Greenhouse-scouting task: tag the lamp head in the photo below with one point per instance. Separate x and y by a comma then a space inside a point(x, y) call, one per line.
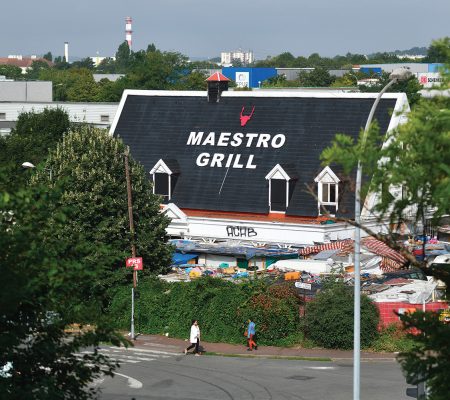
point(400, 74)
point(27, 164)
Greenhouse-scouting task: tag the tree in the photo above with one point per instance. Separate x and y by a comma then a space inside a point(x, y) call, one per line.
point(123, 58)
point(437, 52)
point(329, 318)
point(89, 163)
point(11, 72)
point(106, 66)
point(319, 77)
point(414, 158)
point(32, 138)
point(36, 68)
point(85, 63)
point(411, 87)
point(192, 81)
point(48, 56)
point(82, 85)
point(44, 280)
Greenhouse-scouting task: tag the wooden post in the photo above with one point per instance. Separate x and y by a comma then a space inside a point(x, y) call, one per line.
point(130, 209)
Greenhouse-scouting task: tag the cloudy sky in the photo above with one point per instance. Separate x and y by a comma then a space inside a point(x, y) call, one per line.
point(200, 28)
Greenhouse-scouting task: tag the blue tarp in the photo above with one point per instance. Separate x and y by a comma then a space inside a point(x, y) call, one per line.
point(180, 258)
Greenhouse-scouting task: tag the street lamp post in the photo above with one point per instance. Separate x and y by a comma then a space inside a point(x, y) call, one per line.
point(27, 164)
point(399, 74)
point(133, 247)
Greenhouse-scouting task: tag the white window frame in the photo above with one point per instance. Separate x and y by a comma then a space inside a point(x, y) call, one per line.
point(279, 173)
point(162, 168)
point(327, 177)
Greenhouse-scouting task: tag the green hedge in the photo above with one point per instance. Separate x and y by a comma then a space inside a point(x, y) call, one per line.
point(329, 318)
point(221, 307)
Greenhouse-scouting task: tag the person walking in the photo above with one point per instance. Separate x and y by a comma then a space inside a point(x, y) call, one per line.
point(251, 331)
point(194, 338)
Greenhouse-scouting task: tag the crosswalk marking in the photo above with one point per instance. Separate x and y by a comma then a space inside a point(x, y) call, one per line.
point(130, 355)
point(143, 351)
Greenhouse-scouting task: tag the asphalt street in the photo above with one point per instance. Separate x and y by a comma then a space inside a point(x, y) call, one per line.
point(162, 372)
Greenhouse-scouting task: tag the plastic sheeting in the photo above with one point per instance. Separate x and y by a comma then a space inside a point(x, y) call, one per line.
point(180, 258)
point(417, 292)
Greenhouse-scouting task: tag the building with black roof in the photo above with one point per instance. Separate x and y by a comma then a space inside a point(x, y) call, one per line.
point(244, 165)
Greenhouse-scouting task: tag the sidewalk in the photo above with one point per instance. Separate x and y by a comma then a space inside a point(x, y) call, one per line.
point(227, 349)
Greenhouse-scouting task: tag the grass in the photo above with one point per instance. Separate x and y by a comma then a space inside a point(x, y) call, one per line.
point(392, 339)
point(212, 353)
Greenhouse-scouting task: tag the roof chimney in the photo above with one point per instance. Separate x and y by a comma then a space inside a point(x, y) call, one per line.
point(217, 83)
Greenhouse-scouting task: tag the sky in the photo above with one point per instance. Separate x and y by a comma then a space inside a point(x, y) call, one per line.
point(200, 28)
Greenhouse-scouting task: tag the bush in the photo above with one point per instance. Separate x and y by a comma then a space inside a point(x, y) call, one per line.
point(393, 338)
point(221, 307)
point(329, 318)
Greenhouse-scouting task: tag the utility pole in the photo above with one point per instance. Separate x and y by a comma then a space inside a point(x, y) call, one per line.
point(133, 247)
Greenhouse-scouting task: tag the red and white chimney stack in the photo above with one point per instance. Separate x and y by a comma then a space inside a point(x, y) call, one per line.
point(128, 31)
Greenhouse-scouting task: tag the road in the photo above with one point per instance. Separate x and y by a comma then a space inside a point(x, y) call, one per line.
point(161, 372)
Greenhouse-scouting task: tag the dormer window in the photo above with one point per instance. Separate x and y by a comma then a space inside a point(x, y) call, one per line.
point(281, 184)
point(165, 174)
point(327, 191)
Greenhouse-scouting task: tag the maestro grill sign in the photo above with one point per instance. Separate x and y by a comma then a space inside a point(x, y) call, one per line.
point(234, 141)
point(135, 263)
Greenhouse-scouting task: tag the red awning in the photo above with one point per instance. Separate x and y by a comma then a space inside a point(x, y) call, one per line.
point(391, 260)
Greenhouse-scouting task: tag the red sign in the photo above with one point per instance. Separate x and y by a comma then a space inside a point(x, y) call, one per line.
point(136, 263)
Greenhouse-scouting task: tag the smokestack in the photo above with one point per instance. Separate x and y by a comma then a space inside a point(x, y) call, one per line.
point(128, 31)
point(66, 51)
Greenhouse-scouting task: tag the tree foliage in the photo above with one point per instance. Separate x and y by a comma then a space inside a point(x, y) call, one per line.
point(11, 72)
point(32, 138)
point(411, 170)
point(329, 318)
point(429, 360)
point(319, 77)
point(411, 87)
point(89, 165)
point(45, 277)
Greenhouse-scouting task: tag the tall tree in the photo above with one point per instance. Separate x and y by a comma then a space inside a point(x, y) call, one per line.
point(89, 163)
point(123, 58)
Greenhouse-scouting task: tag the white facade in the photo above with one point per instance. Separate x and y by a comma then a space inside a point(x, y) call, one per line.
point(245, 57)
point(255, 232)
point(97, 114)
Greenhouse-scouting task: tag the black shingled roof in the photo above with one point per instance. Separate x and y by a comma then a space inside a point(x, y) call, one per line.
point(158, 127)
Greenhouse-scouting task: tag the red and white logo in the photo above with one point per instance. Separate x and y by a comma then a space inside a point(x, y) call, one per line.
point(246, 118)
point(423, 80)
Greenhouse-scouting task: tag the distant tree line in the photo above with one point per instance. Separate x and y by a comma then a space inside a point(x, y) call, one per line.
point(161, 70)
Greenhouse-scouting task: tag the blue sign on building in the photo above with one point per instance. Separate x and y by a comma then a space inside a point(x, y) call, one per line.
point(249, 77)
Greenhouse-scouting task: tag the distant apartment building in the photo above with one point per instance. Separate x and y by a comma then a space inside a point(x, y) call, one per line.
point(24, 63)
point(245, 57)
